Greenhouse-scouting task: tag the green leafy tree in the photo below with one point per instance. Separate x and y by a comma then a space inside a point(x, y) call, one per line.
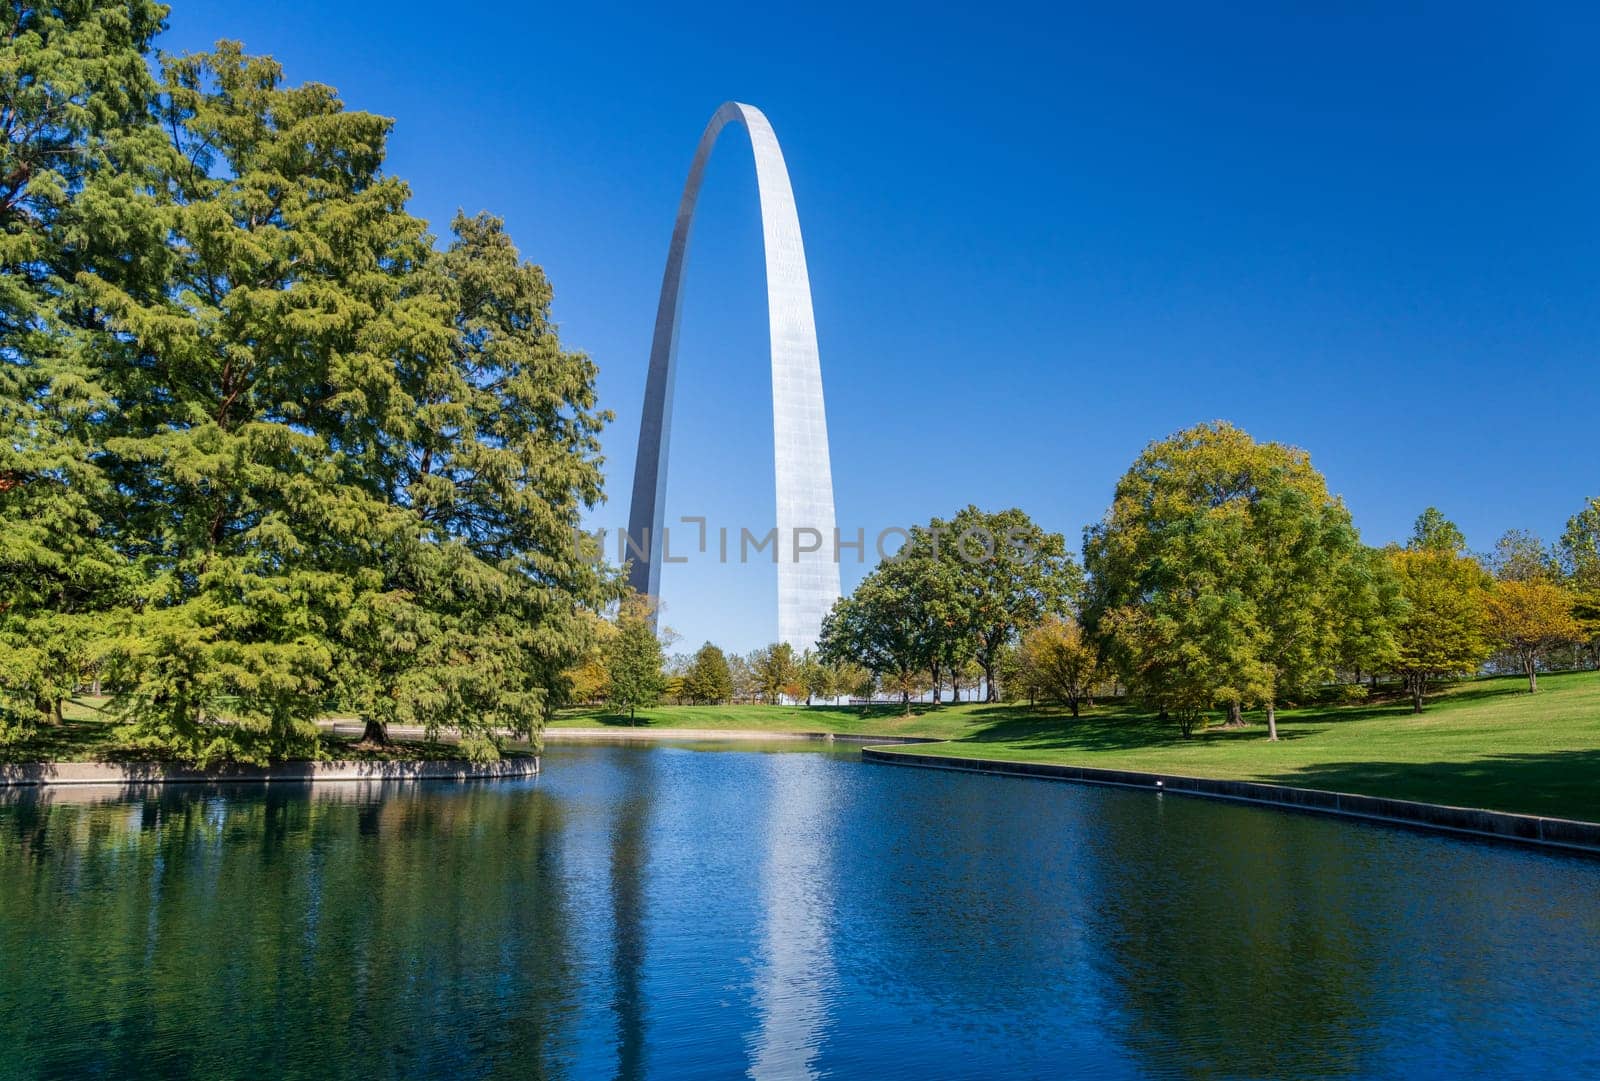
point(1433, 532)
point(1580, 563)
point(708, 679)
point(813, 676)
point(1059, 662)
point(492, 466)
point(1016, 675)
point(851, 679)
point(1009, 574)
point(1221, 573)
point(883, 626)
point(1529, 617)
point(587, 681)
point(252, 372)
point(943, 587)
point(1443, 632)
point(349, 464)
point(775, 670)
point(1369, 603)
point(634, 661)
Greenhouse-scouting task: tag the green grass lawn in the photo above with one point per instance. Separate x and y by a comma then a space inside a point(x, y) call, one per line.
point(1486, 743)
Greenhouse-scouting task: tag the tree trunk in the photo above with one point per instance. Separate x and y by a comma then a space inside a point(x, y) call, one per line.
point(989, 694)
point(1417, 686)
point(1072, 704)
point(375, 733)
point(935, 674)
point(1272, 721)
point(55, 711)
point(1528, 662)
point(1235, 715)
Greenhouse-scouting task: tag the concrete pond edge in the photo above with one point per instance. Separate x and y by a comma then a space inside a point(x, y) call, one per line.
point(1558, 833)
point(139, 775)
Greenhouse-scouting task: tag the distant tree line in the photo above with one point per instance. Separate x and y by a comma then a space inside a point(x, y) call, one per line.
point(1224, 578)
point(267, 449)
point(628, 669)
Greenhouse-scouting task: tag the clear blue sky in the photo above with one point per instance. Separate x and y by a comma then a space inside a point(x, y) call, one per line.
point(1037, 239)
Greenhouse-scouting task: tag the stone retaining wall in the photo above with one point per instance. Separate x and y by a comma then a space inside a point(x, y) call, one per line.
point(1522, 829)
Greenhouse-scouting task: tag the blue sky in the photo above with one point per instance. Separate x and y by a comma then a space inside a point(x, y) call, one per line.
point(1038, 239)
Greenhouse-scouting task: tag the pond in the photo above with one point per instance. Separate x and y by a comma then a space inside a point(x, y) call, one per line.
point(675, 912)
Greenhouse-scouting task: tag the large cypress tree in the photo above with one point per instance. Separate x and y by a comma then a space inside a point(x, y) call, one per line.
point(75, 95)
point(246, 376)
point(347, 464)
point(480, 609)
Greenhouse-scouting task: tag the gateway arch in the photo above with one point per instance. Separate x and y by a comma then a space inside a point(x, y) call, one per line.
point(808, 568)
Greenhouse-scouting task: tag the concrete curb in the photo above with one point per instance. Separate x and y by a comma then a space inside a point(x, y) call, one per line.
point(135, 775)
point(1561, 833)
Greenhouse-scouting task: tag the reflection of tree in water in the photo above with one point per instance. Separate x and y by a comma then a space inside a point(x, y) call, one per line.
point(629, 856)
point(1237, 942)
point(276, 933)
point(1205, 940)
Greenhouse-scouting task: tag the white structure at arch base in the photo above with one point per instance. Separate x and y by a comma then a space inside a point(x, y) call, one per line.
point(808, 567)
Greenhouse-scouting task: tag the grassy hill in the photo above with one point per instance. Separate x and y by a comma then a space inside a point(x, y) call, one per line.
point(1486, 743)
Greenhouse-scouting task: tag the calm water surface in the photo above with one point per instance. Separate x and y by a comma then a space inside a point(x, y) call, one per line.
point(672, 912)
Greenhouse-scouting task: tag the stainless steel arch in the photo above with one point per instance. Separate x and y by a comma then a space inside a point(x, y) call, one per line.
point(808, 581)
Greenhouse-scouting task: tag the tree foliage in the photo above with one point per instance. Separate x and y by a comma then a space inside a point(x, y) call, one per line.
point(708, 679)
point(958, 592)
point(1009, 574)
point(886, 627)
point(76, 94)
point(1528, 617)
point(1443, 632)
point(280, 452)
point(1433, 532)
point(1058, 662)
point(1580, 562)
point(634, 660)
point(776, 672)
point(1223, 572)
